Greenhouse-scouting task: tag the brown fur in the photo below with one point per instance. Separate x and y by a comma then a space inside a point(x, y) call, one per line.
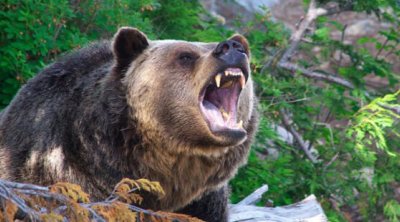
point(100, 115)
point(180, 166)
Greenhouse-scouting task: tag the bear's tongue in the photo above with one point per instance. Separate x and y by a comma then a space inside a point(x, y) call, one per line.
point(219, 104)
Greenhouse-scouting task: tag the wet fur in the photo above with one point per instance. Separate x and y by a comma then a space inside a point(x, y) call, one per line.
point(86, 120)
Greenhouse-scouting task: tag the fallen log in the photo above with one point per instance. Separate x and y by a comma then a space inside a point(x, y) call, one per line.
point(307, 210)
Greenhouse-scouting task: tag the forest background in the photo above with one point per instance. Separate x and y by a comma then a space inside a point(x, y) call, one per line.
point(324, 130)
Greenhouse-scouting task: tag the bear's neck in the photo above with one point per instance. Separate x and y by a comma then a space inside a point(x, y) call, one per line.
point(182, 177)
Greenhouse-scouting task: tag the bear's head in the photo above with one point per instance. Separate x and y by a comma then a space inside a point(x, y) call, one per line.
point(196, 97)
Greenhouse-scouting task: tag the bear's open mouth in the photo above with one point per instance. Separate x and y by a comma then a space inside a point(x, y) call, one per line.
point(219, 100)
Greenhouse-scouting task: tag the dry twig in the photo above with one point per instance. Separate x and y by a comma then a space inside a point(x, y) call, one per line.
point(64, 202)
point(297, 36)
point(287, 122)
point(254, 197)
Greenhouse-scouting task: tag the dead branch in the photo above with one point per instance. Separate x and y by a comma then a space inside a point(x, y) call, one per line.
point(254, 197)
point(395, 109)
point(305, 23)
point(331, 161)
point(23, 210)
point(65, 201)
point(316, 75)
point(287, 122)
point(297, 36)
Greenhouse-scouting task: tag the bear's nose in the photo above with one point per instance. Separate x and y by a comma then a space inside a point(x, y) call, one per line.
point(231, 52)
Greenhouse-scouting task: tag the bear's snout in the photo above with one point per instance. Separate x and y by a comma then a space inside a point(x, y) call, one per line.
point(231, 53)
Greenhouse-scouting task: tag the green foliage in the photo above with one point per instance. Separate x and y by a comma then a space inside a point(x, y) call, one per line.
point(392, 210)
point(35, 32)
point(354, 133)
point(181, 20)
point(356, 138)
point(370, 124)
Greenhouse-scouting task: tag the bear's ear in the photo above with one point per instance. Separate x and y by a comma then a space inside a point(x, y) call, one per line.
point(242, 40)
point(128, 43)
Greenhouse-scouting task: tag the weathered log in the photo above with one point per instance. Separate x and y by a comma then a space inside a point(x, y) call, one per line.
point(307, 210)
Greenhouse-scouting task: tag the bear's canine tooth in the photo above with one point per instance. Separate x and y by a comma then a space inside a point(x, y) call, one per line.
point(240, 124)
point(218, 79)
point(226, 73)
point(242, 81)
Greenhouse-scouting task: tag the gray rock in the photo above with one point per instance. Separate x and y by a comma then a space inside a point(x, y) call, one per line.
point(362, 28)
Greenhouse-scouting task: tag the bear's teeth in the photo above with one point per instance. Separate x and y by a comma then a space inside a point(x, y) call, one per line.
point(232, 73)
point(218, 79)
point(242, 81)
point(240, 124)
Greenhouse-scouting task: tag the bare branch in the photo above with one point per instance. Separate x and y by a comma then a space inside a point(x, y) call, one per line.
point(392, 50)
point(16, 185)
point(331, 161)
point(20, 194)
point(287, 122)
point(297, 36)
point(254, 197)
point(382, 48)
point(395, 109)
point(316, 75)
point(342, 40)
point(24, 212)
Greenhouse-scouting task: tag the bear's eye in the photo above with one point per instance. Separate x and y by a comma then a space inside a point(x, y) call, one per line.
point(187, 58)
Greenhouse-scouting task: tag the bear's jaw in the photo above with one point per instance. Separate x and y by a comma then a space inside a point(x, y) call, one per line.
point(219, 103)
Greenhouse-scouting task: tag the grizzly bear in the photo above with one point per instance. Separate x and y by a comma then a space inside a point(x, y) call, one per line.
point(181, 113)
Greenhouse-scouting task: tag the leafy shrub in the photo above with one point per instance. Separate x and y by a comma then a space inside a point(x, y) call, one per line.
point(35, 32)
point(356, 138)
